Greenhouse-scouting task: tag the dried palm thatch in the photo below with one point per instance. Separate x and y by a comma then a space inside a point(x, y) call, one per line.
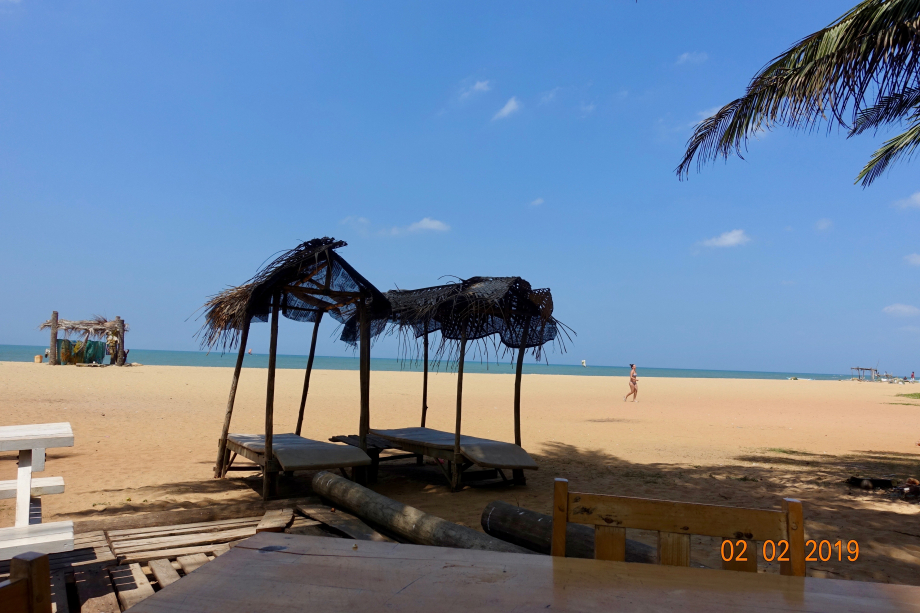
point(503, 310)
point(98, 327)
point(300, 278)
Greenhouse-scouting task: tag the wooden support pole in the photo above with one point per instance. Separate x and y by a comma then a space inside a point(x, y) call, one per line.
point(34, 570)
point(364, 421)
point(306, 377)
point(458, 459)
point(518, 474)
point(269, 474)
point(120, 324)
point(222, 445)
point(53, 356)
point(425, 379)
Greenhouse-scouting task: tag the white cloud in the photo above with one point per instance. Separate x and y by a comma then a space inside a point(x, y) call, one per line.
point(901, 310)
point(547, 97)
point(537, 202)
point(823, 224)
point(708, 112)
point(911, 202)
point(475, 88)
point(428, 224)
point(587, 108)
point(913, 259)
point(511, 107)
point(733, 238)
point(692, 57)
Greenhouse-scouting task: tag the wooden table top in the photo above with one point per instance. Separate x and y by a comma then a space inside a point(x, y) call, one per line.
point(281, 572)
point(36, 436)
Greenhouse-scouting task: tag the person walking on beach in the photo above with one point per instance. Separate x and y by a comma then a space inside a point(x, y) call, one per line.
point(633, 384)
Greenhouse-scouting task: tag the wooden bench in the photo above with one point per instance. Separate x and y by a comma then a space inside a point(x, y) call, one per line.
point(675, 522)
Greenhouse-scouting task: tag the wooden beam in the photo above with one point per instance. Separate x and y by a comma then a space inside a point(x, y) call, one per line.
point(425, 379)
point(320, 291)
point(795, 528)
point(268, 476)
point(306, 377)
point(53, 356)
point(120, 326)
point(23, 487)
point(320, 304)
point(458, 457)
point(222, 444)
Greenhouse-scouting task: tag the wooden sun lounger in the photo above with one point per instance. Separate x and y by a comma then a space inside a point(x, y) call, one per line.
point(437, 444)
point(294, 452)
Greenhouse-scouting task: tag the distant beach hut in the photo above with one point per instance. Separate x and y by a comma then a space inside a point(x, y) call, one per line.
point(302, 284)
point(496, 311)
point(88, 350)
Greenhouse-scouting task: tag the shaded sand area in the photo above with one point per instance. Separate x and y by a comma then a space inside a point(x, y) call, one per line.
point(146, 440)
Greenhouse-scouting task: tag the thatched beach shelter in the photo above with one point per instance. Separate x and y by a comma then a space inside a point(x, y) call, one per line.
point(302, 284)
point(503, 311)
point(98, 328)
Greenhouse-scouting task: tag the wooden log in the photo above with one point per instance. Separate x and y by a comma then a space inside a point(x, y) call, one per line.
point(53, 355)
point(269, 477)
point(120, 326)
point(407, 522)
point(222, 445)
point(458, 457)
point(306, 377)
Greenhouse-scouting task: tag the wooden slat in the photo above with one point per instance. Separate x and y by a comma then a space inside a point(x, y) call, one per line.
point(609, 543)
point(276, 521)
point(673, 549)
point(23, 487)
point(749, 564)
point(38, 460)
point(121, 535)
point(131, 585)
point(560, 516)
point(677, 517)
point(95, 592)
point(146, 556)
point(43, 486)
point(192, 562)
point(35, 436)
point(164, 572)
point(792, 510)
point(41, 538)
point(344, 522)
point(184, 540)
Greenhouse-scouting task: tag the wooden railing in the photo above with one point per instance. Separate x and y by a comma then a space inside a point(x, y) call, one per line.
point(28, 589)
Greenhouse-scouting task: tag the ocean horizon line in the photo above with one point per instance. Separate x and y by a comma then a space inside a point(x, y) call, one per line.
point(165, 357)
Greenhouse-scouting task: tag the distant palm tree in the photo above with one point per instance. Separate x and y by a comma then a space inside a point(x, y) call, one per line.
point(861, 72)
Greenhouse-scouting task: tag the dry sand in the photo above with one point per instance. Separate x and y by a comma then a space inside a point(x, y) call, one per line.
point(146, 440)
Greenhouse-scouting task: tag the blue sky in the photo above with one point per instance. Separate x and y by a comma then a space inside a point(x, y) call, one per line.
point(152, 154)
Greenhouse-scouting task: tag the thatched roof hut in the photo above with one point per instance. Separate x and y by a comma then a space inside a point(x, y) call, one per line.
point(96, 328)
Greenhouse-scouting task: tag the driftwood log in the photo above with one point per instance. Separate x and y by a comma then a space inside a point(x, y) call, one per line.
point(407, 522)
point(533, 531)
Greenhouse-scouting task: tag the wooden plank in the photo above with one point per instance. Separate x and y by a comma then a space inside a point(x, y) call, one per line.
point(183, 540)
point(95, 592)
point(795, 567)
point(560, 516)
point(35, 436)
point(41, 538)
point(33, 568)
point(38, 460)
point(673, 549)
point(609, 543)
point(23, 487)
point(192, 562)
point(59, 602)
point(344, 522)
point(677, 517)
point(43, 486)
point(276, 521)
point(163, 571)
point(146, 556)
point(747, 550)
point(205, 526)
point(131, 585)
point(185, 516)
point(415, 579)
point(14, 595)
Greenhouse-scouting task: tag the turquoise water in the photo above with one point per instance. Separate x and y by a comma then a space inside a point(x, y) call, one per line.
point(25, 353)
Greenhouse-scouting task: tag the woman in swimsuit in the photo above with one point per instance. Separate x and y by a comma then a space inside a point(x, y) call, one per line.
point(633, 384)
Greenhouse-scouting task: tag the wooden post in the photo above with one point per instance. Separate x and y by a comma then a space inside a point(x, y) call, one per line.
point(364, 421)
point(269, 474)
point(33, 569)
point(518, 473)
point(120, 323)
point(222, 445)
point(53, 356)
point(458, 459)
point(425, 380)
point(795, 525)
point(560, 516)
point(306, 377)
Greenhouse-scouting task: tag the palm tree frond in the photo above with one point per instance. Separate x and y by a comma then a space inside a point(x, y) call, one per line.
point(902, 145)
point(888, 109)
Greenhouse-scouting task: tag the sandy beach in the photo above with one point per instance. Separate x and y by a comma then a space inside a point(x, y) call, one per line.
point(146, 440)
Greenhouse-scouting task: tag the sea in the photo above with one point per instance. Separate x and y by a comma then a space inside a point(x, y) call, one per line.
point(26, 353)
